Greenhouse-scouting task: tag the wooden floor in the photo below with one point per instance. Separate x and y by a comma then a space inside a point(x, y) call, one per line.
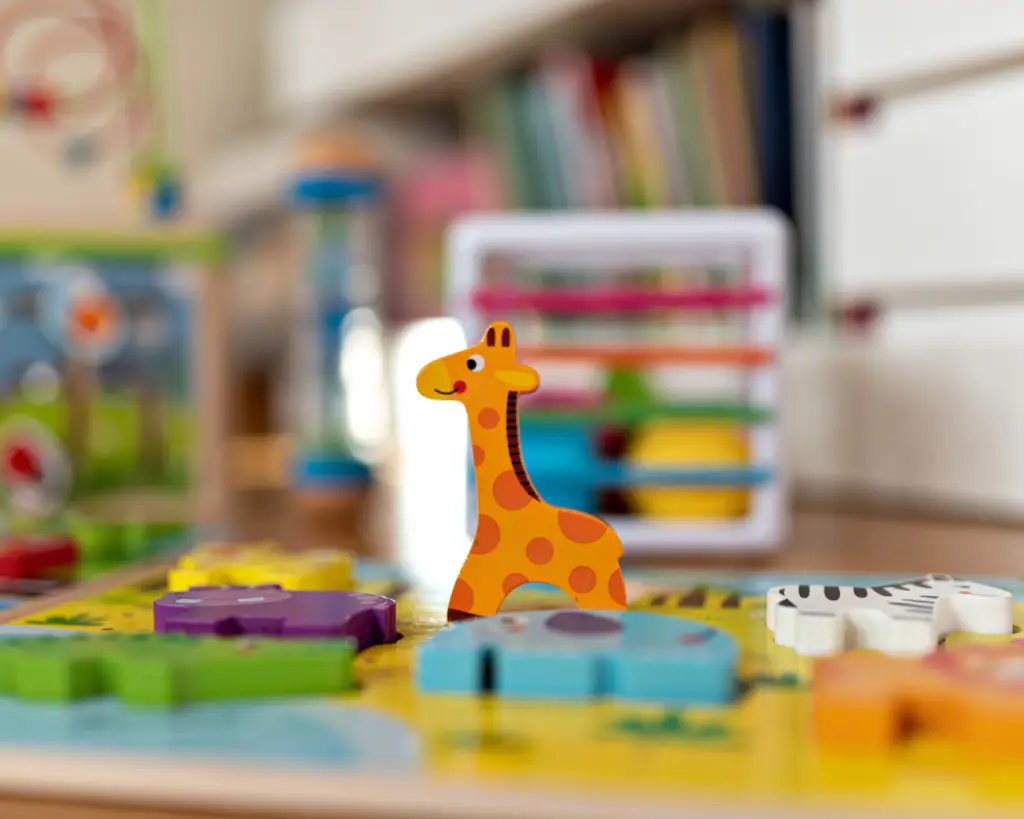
point(821, 540)
point(836, 540)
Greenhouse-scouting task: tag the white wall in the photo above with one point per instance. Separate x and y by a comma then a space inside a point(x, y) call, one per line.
point(342, 50)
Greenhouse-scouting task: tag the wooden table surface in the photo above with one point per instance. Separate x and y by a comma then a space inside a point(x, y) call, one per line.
point(821, 540)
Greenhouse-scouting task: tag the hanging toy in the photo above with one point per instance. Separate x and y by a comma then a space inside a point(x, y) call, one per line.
point(155, 187)
point(80, 151)
point(165, 197)
point(32, 103)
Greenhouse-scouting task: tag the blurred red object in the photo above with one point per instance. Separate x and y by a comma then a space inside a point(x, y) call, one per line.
point(36, 103)
point(36, 557)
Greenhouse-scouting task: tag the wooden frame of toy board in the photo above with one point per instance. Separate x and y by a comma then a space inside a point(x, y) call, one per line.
point(96, 786)
point(757, 240)
point(197, 257)
point(204, 790)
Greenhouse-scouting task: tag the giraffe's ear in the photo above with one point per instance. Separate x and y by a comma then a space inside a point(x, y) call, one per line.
point(500, 334)
point(520, 379)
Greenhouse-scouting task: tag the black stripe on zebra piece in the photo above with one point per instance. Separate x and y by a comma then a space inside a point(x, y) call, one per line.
point(929, 596)
point(914, 606)
point(832, 592)
point(924, 584)
point(787, 604)
point(804, 591)
point(882, 590)
point(860, 591)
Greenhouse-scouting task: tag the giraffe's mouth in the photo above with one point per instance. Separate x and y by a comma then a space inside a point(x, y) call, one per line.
point(457, 387)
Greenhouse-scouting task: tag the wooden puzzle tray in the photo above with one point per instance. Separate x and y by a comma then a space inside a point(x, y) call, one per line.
point(387, 750)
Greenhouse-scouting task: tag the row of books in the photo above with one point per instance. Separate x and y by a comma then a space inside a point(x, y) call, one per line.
point(703, 118)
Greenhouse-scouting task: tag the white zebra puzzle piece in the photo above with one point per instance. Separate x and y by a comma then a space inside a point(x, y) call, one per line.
point(907, 618)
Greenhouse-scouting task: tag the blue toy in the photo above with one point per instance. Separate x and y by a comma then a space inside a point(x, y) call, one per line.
point(165, 199)
point(576, 655)
point(339, 202)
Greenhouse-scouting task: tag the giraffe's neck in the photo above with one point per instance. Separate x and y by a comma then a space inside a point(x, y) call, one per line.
point(497, 451)
point(515, 453)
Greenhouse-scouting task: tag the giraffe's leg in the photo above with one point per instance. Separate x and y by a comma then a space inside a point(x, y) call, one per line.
point(477, 591)
point(598, 588)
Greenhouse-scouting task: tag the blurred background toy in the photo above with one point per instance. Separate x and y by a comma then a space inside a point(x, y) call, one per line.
point(115, 105)
point(109, 410)
point(337, 366)
point(672, 431)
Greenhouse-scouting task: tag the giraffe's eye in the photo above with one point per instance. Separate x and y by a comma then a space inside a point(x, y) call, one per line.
point(475, 363)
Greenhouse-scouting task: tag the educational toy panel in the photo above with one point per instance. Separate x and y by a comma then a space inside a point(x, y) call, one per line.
point(626, 313)
point(101, 428)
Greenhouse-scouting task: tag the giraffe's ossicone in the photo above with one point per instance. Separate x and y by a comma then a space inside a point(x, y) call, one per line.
point(519, 538)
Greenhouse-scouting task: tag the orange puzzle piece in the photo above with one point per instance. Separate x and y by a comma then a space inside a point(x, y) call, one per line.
point(519, 538)
point(971, 694)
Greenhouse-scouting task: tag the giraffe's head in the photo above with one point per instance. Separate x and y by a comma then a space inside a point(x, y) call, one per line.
point(482, 374)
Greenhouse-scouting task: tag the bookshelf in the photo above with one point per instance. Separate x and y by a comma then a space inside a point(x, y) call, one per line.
point(330, 61)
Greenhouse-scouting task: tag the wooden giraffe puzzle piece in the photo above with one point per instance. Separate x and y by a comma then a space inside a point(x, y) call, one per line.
point(519, 537)
point(164, 670)
point(895, 618)
point(973, 694)
point(223, 564)
point(576, 655)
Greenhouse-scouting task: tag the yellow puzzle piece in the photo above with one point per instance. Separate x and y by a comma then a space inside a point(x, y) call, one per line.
point(221, 564)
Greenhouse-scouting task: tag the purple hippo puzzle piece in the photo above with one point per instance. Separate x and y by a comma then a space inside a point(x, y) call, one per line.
point(269, 610)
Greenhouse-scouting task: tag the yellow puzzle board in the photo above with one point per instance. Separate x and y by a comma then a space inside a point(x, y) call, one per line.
point(754, 758)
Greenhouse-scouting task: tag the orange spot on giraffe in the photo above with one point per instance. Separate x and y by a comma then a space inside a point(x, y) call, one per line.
point(509, 493)
point(488, 534)
point(488, 418)
point(513, 582)
point(540, 550)
point(478, 455)
point(580, 528)
point(462, 596)
point(617, 588)
point(582, 579)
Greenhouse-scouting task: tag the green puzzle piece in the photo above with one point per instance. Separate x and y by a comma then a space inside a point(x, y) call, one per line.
point(165, 670)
